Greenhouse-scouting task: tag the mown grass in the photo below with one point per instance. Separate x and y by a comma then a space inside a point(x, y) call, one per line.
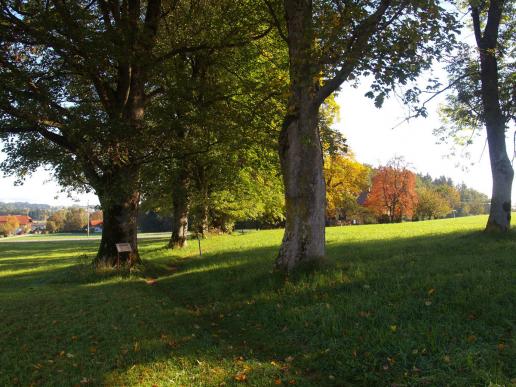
point(429, 303)
point(71, 236)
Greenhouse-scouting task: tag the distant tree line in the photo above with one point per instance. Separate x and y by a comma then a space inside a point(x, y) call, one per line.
point(35, 211)
point(391, 193)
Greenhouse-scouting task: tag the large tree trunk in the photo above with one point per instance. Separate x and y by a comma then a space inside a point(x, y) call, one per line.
point(181, 209)
point(119, 199)
point(305, 195)
point(501, 168)
point(300, 149)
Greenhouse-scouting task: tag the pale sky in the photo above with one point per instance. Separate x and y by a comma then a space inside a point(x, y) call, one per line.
point(370, 135)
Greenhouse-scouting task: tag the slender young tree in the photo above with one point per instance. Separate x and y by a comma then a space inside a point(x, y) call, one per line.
point(482, 85)
point(329, 43)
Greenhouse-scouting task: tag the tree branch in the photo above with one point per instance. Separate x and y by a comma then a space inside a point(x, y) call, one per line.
point(434, 95)
point(357, 45)
point(201, 47)
point(276, 20)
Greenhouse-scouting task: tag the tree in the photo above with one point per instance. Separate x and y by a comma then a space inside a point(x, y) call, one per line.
point(483, 95)
point(229, 106)
point(431, 204)
point(75, 90)
point(450, 194)
point(58, 219)
point(472, 202)
point(10, 226)
point(78, 79)
point(76, 219)
point(331, 42)
point(51, 226)
point(393, 191)
point(96, 215)
point(345, 179)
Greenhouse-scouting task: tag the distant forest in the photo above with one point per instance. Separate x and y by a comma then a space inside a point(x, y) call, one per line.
point(34, 210)
point(436, 198)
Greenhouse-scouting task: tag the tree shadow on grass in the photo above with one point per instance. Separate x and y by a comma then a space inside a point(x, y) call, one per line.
point(424, 310)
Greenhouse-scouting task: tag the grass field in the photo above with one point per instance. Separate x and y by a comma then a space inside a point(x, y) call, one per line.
point(429, 303)
point(72, 236)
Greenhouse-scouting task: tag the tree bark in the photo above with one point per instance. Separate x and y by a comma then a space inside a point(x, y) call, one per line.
point(300, 149)
point(119, 199)
point(501, 169)
point(181, 205)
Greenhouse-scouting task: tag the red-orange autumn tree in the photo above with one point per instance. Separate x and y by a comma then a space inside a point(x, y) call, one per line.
point(393, 191)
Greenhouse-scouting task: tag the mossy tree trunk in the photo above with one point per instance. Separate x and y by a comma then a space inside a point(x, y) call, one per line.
point(119, 200)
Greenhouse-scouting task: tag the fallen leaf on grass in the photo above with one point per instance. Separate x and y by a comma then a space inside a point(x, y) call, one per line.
point(240, 377)
point(151, 281)
point(472, 338)
point(501, 347)
point(431, 291)
point(277, 381)
point(393, 328)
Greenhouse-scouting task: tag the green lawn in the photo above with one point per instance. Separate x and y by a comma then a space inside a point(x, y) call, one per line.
point(73, 236)
point(429, 303)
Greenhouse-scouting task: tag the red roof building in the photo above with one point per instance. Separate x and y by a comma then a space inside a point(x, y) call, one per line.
point(96, 223)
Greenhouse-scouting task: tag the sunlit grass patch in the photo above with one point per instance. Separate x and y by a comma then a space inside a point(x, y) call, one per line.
point(409, 304)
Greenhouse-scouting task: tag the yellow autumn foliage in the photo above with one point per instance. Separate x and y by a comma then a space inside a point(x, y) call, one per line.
point(345, 179)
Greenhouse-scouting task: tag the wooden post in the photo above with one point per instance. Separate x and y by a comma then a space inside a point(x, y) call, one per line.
point(199, 243)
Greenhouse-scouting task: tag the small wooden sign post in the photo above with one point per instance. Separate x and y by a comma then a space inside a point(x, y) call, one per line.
point(124, 248)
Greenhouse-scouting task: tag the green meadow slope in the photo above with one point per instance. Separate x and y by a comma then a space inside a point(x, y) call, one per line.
point(428, 303)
